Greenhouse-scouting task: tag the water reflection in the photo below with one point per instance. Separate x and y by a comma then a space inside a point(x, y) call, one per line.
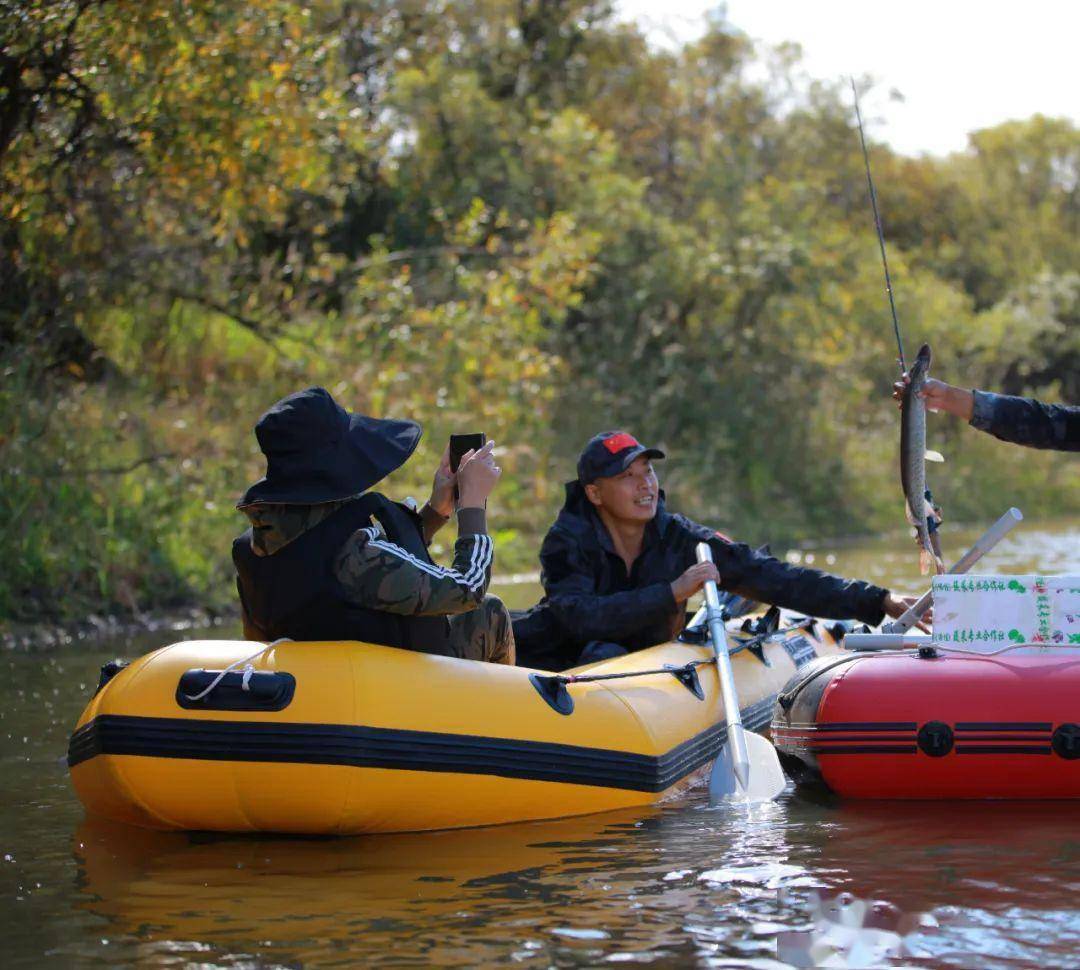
point(989, 885)
point(925, 884)
point(942, 853)
point(536, 890)
point(846, 931)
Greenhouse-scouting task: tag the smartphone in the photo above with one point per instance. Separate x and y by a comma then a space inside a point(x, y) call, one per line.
point(461, 443)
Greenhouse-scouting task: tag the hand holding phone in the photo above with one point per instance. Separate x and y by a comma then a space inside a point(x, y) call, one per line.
point(460, 444)
point(476, 473)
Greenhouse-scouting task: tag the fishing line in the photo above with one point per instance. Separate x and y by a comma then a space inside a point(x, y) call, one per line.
point(877, 224)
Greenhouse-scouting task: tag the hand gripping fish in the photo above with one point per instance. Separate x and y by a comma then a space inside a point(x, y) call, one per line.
point(913, 455)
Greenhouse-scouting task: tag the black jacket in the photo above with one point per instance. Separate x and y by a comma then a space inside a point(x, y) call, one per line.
point(294, 593)
point(1025, 421)
point(590, 596)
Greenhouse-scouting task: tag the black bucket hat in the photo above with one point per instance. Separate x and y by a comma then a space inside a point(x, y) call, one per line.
point(317, 452)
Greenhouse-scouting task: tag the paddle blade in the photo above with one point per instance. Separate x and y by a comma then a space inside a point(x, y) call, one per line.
point(766, 779)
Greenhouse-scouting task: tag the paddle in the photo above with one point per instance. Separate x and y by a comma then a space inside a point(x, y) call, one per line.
point(982, 546)
point(747, 768)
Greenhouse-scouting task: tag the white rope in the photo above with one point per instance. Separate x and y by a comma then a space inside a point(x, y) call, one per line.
point(994, 653)
point(249, 669)
point(941, 648)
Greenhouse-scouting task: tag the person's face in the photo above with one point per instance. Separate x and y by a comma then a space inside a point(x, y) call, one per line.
point(630, 496)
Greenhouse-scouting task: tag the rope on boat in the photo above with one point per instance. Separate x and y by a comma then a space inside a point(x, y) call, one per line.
point(249, 669)
point(787, 698)
point(588, 678)
point(1001, 650)
point(689, 666)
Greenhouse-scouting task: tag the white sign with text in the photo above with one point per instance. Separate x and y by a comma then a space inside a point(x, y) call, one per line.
point(986, 613)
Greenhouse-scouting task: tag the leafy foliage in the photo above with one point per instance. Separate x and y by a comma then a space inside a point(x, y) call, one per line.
point(515, 216)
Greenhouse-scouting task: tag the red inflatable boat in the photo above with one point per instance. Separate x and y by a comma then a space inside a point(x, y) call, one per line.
point(934, 724)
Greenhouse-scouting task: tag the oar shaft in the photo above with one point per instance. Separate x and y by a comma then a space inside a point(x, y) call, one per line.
point(740, 759)
point(982, 546)
point(884, 641)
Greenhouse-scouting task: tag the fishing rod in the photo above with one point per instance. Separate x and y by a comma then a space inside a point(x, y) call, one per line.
point(877, 224)
point(911, 466)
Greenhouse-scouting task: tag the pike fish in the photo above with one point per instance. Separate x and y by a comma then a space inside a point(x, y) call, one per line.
point(913, 457)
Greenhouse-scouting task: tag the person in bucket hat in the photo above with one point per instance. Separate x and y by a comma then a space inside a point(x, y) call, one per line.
point(617, 568)
point(327, 558)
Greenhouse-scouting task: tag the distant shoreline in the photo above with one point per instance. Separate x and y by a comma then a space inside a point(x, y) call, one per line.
point(98, 628)
point(32, 635)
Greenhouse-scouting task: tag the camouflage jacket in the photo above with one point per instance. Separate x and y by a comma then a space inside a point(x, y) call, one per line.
point(1025, 421)
point(380, 575)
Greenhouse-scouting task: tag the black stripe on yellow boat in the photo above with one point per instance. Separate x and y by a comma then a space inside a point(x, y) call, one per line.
point(369, 747)
point(756, 717)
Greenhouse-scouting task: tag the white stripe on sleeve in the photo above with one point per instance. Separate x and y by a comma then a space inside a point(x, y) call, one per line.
point(480, 560)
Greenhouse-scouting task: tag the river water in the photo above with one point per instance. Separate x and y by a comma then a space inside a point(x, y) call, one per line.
point(800, 882)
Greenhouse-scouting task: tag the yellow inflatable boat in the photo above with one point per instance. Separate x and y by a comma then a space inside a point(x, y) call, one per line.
point(344, 738)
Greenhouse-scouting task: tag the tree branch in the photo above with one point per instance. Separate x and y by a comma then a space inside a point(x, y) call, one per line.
point(423, 252)
point(246, 322)
point(116, 469)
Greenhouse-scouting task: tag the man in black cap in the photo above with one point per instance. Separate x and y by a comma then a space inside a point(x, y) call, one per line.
point(618, 568)
point(327, 559)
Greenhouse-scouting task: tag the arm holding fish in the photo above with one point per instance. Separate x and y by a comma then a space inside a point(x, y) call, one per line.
point(940, 396)
point(1018, 420)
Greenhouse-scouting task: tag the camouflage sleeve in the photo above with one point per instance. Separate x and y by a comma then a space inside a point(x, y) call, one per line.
point(382, 576)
